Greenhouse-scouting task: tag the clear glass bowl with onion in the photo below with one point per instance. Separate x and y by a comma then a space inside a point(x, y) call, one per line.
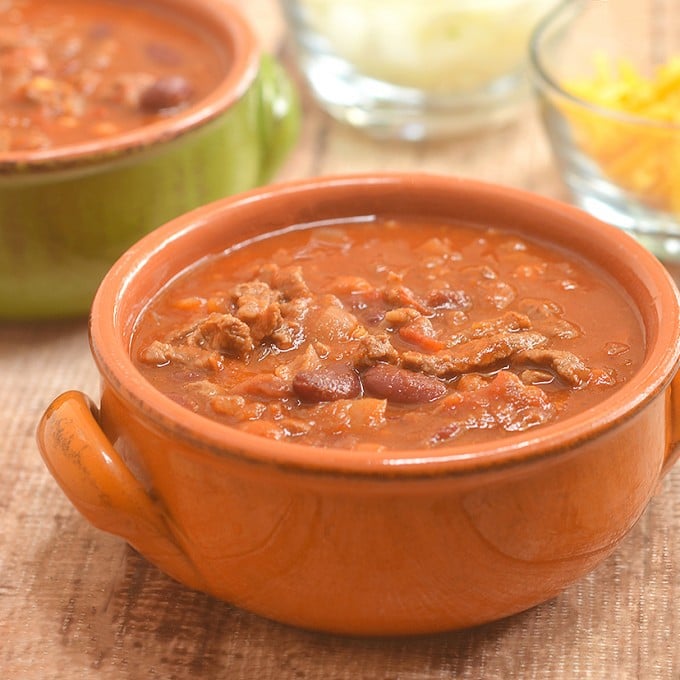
point(412, 70)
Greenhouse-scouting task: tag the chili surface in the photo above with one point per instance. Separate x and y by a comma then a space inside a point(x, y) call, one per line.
point(390, 333)
point(75, 70)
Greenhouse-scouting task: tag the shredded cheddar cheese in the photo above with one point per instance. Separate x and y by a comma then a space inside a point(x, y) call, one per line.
point(643, 159)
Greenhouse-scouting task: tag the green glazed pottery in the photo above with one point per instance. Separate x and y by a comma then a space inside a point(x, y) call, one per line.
point(66, 217)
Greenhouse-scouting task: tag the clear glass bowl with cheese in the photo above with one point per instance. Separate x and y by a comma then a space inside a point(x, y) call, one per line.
point(607, 76)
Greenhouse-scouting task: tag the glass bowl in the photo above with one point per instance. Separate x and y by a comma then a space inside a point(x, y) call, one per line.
point(608, 84)
point(398, 69)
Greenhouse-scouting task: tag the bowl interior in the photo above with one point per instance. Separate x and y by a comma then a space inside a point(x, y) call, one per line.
point(223, 31)
point(159, 257)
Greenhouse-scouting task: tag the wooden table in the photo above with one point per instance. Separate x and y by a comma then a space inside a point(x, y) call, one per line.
point(77, 603)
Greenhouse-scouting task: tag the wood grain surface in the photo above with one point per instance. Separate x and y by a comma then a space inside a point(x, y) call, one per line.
point(78, 603)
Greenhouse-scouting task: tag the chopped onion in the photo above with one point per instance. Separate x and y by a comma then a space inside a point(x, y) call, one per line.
point(434, 45)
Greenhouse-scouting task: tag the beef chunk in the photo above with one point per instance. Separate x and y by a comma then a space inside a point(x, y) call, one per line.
point(473, 355)
point(258, 306)
point(567, 365)
point(374, 348)
point(533, 376)
point(160, 353)
point(510, 322)
point(201, 344)
point(274, 307)
point(289, 281)
point(222, 332)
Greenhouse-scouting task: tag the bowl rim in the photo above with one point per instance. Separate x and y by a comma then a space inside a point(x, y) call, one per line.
point(544, 80)
point(206, 436)
point(228, 24)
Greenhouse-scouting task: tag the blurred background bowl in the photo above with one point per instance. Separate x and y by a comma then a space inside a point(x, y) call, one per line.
point(608, 84)
point(68, 212)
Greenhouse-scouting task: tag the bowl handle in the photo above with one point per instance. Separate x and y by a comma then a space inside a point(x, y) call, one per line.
point(98, 483)
point(279, 115)
point(673, 452)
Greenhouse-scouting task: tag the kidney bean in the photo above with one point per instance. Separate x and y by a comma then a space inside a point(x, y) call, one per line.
point(402, 386)
point(164, 54)
point(449, 298)
point(328, 383)
point(165, 93)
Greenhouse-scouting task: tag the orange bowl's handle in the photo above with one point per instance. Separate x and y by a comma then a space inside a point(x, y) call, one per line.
point(674, 444)
point(98, 483)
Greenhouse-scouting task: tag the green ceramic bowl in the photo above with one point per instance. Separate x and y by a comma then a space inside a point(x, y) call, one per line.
point(67, 214)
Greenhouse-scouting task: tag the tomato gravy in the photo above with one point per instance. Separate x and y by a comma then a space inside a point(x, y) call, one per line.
point(76, 70)
point(390, 333)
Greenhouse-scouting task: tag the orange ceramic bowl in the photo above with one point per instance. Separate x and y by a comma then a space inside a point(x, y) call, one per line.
point(361, 542)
